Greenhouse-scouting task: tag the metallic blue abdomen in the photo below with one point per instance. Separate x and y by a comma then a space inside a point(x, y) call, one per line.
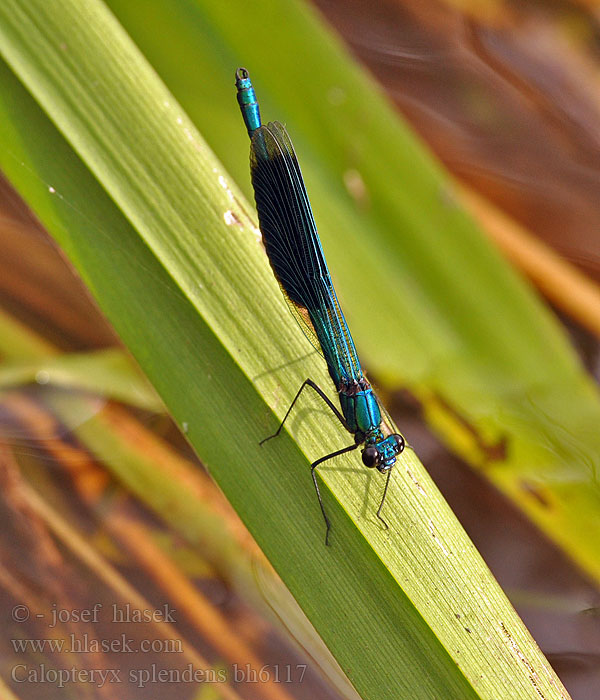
point(247, 101)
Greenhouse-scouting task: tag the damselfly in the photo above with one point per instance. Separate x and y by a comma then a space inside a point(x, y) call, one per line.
point(296, 256)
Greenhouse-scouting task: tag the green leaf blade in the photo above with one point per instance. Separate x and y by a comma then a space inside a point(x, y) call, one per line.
point(194, 298)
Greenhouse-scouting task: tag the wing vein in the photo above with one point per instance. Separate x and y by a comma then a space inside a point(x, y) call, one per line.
point(294, 249)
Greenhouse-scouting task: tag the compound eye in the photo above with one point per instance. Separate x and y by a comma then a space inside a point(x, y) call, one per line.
point(370, 456)
point(400, 443)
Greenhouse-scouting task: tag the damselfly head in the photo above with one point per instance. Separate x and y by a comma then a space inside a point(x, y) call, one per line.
point(382, 454)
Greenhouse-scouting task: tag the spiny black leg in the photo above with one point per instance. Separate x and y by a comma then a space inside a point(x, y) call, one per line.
point(313, 466)
point(317, 388)
point(385, 490)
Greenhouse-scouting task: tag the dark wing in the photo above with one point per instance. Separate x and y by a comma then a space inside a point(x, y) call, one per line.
point(294, 249)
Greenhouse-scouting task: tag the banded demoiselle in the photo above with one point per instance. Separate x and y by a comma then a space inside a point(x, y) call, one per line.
point(292, 243)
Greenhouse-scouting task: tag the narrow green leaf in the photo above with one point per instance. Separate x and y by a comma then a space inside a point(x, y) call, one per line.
point(431, 304)
point(161, 236)
point(108, 373)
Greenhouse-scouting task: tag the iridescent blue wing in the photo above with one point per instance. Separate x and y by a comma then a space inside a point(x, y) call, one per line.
point(294, 249)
